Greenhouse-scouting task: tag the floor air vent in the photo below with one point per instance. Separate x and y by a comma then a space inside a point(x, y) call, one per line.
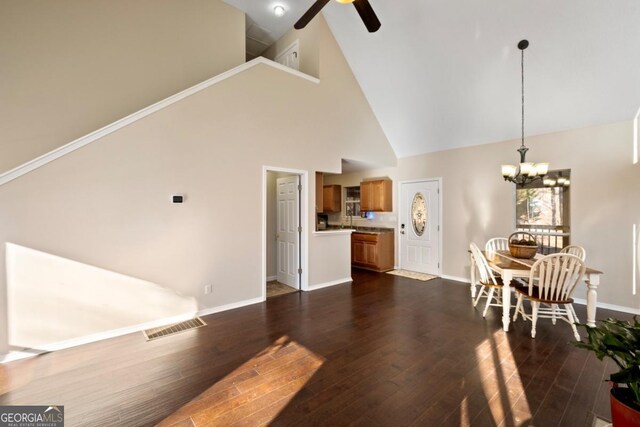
point(175, 328)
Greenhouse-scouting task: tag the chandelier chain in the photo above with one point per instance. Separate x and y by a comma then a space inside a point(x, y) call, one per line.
point(528, 172)
point(522, 81)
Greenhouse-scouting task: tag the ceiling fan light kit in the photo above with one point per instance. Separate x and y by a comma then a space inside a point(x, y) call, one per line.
point(526, 172)
point(363, 7)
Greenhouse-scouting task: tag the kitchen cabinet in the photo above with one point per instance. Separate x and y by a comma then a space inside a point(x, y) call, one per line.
point(331, 198)
point(372, 251)
point(319, 191)
point(375, 196)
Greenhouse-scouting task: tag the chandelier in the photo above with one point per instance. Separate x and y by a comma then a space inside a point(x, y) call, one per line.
point(526, 172)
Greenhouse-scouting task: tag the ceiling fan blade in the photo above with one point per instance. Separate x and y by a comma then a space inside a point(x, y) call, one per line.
point(367, 14)
point(309, 14)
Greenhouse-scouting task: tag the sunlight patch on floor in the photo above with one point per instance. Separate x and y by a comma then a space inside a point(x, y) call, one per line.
point(502, 386)
point(464, 413)
point(599, 422)
point(254, 393)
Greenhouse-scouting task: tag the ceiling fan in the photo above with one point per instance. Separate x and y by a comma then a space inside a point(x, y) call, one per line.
point(362, 6)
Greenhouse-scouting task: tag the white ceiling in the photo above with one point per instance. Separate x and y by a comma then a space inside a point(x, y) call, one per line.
point(446, 74)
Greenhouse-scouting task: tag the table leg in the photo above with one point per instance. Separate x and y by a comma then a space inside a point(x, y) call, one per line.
point(506, 299)
point(593, 280)
point(473, 278)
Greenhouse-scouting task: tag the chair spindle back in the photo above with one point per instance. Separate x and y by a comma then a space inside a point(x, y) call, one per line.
point(486, 274)
point(497, 244)
point(575, 250)
point(556, 276)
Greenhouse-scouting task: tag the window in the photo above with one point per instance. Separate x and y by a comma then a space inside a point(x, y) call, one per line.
point(544, 212)
point(352, 201)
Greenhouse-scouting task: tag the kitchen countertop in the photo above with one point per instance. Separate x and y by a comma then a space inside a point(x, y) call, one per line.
point(361, 230)
point(334, 232)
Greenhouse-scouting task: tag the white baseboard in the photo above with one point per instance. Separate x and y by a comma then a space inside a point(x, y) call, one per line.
point(272, 278)
point(231, 306)
point(332, 283)
point(456, 278)
point(606, 306)
point(17, 355)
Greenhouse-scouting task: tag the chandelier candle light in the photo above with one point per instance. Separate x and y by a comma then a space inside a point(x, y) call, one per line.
point(527, 172)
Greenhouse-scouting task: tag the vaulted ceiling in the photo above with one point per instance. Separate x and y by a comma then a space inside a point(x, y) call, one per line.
point(446, 74)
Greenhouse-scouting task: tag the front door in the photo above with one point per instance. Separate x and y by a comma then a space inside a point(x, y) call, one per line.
point(420, 227)
point(288, 235)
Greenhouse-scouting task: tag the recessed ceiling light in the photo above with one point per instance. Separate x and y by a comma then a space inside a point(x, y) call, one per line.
point(279, 10)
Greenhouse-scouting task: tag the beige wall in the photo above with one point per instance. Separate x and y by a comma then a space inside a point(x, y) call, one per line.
point(308, 45)
point(478, 204)
point(39, 316)
point(70, 67)
point(108, 204)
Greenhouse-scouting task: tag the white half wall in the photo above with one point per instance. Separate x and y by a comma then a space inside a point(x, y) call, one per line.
point(333, 253)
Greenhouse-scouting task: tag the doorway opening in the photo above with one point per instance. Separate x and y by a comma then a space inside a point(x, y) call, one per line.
point(284, 255)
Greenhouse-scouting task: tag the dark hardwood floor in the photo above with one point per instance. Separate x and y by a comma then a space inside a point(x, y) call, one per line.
point(385, 351)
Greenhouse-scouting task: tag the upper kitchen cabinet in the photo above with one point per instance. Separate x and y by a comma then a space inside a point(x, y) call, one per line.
point(331, 198)
point(328, 197)
point(375, 196)
point(319, 191)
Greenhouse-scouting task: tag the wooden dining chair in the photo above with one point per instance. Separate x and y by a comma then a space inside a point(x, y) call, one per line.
point(552, 281)
point(497, 244)
point(575, 250)
point(489, 281)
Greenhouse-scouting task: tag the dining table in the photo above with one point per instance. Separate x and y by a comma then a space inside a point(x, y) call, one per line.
point(510, 267)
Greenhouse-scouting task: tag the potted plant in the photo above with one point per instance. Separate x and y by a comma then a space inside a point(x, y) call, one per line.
point(620, 341)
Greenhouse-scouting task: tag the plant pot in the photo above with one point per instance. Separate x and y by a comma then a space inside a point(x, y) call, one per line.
point(624, 413)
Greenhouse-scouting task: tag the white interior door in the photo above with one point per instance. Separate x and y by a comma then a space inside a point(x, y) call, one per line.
point(290, 57)
point(420, 227)
point(288, 235)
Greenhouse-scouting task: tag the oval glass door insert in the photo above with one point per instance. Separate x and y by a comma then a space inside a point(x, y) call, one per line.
point(419, 214)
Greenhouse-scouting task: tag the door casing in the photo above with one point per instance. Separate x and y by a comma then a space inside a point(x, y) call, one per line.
point(304, 222)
